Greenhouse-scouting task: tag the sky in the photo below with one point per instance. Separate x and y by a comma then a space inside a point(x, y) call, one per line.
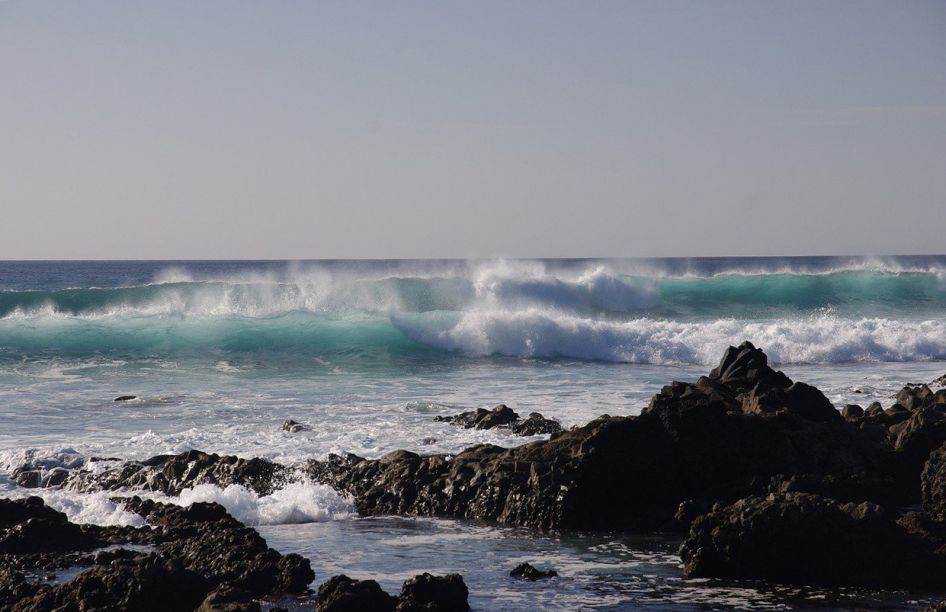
point(297, 130)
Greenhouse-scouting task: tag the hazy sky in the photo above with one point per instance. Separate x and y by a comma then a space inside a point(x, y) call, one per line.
point(429, 129)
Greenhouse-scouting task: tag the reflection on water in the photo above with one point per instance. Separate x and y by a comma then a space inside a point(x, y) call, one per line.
point(598, 571)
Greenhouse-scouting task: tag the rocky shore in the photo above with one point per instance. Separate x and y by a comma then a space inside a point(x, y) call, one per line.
point(763, 476)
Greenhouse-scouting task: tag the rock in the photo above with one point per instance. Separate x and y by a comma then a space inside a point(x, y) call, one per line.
point(481, 418)
point(170, 474)
point(933, 484)
point(719, 439)
point(39, 535)
point(427, 593)
point(852, 412)
point(125, 398)
point(228, 599)
point(875, 409)
point(939, 382)
point(293, 427)
point(503, 417)
point(342, 594)
point(150, 583)
point(201, 557)
point(13, 512)
point(210, 542)
point(806, 539)
point(536, 424)
point(526, 572)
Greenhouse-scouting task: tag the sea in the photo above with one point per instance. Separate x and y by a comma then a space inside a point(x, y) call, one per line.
point(367, 352)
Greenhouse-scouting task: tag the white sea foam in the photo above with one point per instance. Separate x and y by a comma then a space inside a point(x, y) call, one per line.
point(540, 333)
point(296, 502)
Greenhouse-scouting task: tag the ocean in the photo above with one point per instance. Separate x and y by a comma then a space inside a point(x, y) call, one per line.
point(367, 353)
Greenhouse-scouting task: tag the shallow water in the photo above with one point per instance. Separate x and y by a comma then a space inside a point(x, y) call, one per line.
point(597, 571)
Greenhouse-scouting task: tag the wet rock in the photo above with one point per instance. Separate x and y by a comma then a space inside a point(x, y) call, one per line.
point(213, 544)
point(503, 417)
point(200, 556)
point(939, 382)
point(428, 593)
point(481, 418)
point(536, 424)
point(150, 583)
point(343, 594)
point(125, 398)
point(875, 409)
point(852, 412)
point(807, 539)
point(718, 439)
point(933, 484)
point(170, 474)
point(13, 512)
point(294, 427)
point(228, 599)
point(38, 535)
point(525, 571)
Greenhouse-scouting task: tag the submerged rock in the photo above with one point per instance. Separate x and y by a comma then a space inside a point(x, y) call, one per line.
point(502, 416)
point(802, 538)
point(125, 398)
point(525, 571)
point(294, 427)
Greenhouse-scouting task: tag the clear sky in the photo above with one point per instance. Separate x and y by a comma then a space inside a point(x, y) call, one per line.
point(454, 129)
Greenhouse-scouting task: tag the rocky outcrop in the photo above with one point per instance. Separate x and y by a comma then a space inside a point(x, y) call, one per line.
point(933, 484)
point(200, 557)
point(504, 417)
point(802, 538)
point(423, 593)
point(526, 571)
point(718, 439)
point(342, 594)
point(171, 474)
point(428, 593)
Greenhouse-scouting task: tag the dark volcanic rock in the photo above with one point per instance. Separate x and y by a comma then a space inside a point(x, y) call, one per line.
point(536, 424)
point(503, 417)
point(201, 557)
point(427, 593)
point(719, 439)
point(125, 398)
point(39, 535)
point(342, 594)
point(13, 512)
point(852, 412)
point(221, 549)
point(481, 418)
point(807, 539)
point(293, 427)
point(149, 583)
point(933, 484)
point(228, 599)
point(527, 572)
point(171, 474)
